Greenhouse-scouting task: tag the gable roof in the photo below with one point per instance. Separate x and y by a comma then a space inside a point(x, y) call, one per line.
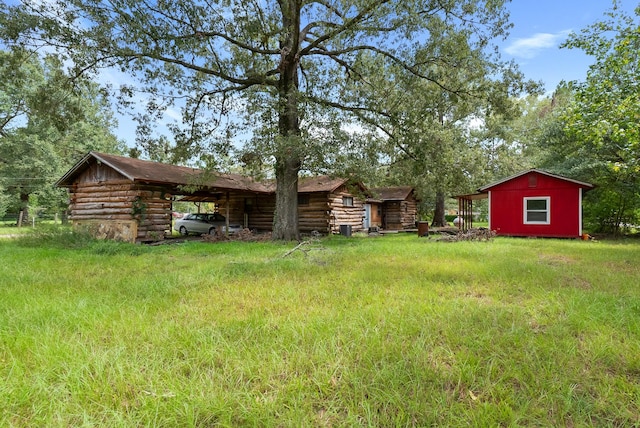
point(138, 170)
point(539, 171)
point(393, 193)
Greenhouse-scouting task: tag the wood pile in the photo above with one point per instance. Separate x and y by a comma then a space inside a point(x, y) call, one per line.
point(245, 235)
point(475, 234)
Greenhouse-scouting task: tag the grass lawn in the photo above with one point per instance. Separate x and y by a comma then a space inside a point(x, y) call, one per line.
point(11, 230)
point(389, 331)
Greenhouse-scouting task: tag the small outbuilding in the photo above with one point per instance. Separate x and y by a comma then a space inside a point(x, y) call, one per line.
point(531, 203)
point(398, 207)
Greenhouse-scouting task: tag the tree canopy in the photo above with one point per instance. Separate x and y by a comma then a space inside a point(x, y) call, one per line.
point(602, 122)
point(48, 122)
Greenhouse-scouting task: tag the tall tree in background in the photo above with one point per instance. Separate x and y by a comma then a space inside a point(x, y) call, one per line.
point(431, 128)
point(48, 122)
point(281, 62)
point(603, 120)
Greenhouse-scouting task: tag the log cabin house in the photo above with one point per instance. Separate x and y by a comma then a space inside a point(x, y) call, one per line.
point(131, 199)
point(326, 204)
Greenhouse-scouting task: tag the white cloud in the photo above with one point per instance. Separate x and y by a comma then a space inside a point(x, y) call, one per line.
point(530, 47)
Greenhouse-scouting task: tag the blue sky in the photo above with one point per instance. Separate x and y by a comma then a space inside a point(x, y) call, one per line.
point(540, 26)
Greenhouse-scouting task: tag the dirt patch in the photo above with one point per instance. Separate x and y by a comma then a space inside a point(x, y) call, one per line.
point(555, 259)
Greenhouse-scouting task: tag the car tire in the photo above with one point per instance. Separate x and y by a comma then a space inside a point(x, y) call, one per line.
point(183, 231)
point(212, 231)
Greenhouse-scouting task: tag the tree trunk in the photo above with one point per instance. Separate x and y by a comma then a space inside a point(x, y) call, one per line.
point(438, 213)
point(24, 209)
point(285, 221)
point(288, 155)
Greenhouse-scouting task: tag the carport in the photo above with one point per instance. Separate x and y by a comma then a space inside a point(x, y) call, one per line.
point(465, 209)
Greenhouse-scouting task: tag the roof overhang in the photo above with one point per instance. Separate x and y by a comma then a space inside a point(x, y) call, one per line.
point(473, 196)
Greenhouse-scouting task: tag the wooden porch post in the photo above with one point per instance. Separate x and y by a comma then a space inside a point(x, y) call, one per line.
point(227, 215)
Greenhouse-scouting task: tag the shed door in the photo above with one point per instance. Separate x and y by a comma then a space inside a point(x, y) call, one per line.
point(366, 221)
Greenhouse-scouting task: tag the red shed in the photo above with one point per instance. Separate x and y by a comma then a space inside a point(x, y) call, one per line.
point(534, 203)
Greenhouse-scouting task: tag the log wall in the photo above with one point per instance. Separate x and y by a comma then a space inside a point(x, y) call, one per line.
point(119, 199)
point(251, 210)
point(314, 213)
point(323, 212)
point(345, 215)
point(400, 214)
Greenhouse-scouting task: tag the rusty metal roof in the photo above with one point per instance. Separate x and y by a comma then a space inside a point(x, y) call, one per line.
point(149, 172)
point(395, 193)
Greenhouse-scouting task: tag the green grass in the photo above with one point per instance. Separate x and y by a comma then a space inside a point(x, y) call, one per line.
point(12, 229)
point(389, 331)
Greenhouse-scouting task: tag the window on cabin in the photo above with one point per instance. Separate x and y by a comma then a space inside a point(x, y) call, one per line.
point(537, 210)
point(347, 201)
point(303, 199)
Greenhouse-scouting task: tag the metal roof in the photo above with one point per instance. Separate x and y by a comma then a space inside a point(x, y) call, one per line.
point(149, 172)
point(539, 171)
point(396, 193)
point(473, 196)
point(322, 183)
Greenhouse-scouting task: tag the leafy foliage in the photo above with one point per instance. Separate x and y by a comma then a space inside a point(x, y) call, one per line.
point(603, 120)
point(48, 121)
point(434, 133)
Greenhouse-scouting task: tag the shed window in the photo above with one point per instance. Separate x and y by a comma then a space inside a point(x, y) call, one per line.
point(347, 201)
point(537, 210)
